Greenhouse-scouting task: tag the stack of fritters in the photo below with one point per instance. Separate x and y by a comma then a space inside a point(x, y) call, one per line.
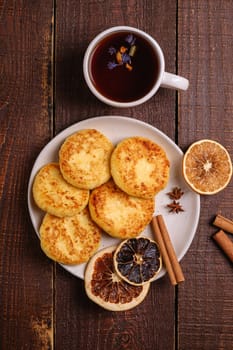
point(97, 187)
point(124, 206)
point(68, 234)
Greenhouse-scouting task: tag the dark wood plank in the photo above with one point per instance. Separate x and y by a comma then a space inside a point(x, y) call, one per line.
point(205, 55)
point(26, 294)
point(79, 322)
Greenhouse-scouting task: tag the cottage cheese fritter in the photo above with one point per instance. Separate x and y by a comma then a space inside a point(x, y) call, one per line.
point(140, 167)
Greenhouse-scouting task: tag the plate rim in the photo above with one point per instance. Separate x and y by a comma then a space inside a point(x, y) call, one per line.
point(79, 125)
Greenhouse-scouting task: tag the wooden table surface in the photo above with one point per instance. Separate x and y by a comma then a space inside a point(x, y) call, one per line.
point(42, 91)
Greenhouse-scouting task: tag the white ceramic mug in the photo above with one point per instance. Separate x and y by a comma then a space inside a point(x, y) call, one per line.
point(162, 78)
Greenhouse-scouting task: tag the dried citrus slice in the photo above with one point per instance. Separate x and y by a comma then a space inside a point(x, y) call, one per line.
point(106, 288)
point(137, 260)
point(207, 167)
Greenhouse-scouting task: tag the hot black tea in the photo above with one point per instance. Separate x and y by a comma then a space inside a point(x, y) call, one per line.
point(124, 67)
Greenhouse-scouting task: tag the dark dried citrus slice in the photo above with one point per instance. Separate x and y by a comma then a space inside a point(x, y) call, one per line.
point(138, 260)
point(106, 288)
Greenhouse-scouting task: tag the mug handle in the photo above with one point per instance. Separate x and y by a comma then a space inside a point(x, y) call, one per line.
point(174, 81)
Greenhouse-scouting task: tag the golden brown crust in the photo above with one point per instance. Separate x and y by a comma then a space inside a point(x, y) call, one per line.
point(70, 240)
point(140, 167)
point(54, 195)
point(84, 159)
point(119, 214)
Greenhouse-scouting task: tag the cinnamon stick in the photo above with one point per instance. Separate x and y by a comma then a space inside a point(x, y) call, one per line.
point(168, 253)
point(223, 223)
point(171, 252)
point(225, 243)
point(159, 240)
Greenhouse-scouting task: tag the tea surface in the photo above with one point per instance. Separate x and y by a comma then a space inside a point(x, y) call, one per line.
point(124, 67)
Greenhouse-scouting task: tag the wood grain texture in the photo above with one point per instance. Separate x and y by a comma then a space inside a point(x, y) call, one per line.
point(205, 34)
point(144, 327)
point(26, 294)
point(42, 91)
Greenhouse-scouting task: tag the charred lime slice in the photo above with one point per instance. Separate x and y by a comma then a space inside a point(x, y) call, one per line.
point(106, 288)
point(137, 260)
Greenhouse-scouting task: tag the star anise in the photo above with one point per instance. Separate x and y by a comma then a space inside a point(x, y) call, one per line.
point(176, 193)
point(175, 207)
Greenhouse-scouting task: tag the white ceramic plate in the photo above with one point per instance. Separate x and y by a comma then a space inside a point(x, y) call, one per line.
point(182, 227)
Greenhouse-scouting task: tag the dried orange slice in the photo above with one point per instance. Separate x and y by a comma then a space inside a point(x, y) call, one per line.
point(207, 167)
point(138, 260)
point(106, 288)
